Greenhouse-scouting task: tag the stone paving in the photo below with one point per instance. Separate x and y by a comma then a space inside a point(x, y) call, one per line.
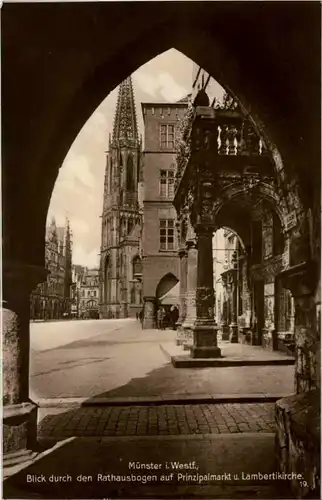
point(96, 360)
point(159, 420)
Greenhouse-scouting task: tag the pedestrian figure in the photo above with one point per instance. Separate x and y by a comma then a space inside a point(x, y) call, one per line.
point(141, 316)
point(165, 318)
point(159, 318)
point(174, 317)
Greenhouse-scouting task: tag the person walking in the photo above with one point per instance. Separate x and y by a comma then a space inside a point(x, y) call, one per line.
point(141, 317)
point(174, 317)
point(159, 318)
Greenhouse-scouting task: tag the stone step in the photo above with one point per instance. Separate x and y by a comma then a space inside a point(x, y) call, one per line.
point(188, 362)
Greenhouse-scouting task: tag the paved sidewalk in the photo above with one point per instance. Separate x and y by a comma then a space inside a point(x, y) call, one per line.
point(159, 420)
point(212, 466)
point(231, 355)
point(129, 363)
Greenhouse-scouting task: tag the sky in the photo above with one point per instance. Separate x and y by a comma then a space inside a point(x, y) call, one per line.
point(78, 192)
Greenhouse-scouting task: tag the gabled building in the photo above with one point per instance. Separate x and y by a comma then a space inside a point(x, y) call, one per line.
point(51, 299)
point(89, 294)
point(120, 264)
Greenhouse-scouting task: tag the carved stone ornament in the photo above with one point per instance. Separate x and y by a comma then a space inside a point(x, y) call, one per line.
point(204, 301)
point(268, 269)
point(250, 181)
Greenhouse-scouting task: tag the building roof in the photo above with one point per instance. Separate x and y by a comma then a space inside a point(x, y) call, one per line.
point(185, 100)
point(125, 127)
point(92, 272)
point(78, 268)
point(181, 103)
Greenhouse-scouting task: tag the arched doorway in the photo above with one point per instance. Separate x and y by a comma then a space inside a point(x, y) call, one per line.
point(167, 291)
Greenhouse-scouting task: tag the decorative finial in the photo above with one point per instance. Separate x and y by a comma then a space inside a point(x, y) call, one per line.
point(201, 99)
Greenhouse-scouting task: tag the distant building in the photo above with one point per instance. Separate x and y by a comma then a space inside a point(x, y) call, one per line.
point(51, 299)
point(75, 289)
point(159, 238)
point(89, 294)
point(120, 265)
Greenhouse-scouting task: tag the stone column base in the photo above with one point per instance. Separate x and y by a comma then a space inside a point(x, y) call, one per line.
point(188, 336)
point(149, 310)
point(205, 341)
point(180, 334)
point(233, 334)
point(149, 323)
point(19, 427)
point(225, 332)
point(205, 352)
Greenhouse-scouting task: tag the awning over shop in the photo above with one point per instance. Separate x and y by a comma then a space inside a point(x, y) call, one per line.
point(171, 298)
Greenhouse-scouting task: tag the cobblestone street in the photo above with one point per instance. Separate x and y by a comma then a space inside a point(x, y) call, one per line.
point(160, 420)
point(116, 358)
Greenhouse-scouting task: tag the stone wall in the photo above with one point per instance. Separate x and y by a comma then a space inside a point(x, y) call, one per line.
point(298, 442)
point(307, 342)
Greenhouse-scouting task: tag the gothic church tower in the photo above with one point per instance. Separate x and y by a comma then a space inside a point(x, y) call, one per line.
point(120, 290)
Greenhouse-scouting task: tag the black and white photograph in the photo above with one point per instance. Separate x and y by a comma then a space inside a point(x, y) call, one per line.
point(161, 249)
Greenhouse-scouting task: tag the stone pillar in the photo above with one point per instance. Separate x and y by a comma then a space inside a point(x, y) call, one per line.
point(19, 412)
point(224, 322)
point(301, 280)
point(149, 308)
point(190, 299)
point(233, 327)
point(183, 288)
point(205, 328)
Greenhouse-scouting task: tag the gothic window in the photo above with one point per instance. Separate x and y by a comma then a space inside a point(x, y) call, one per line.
point(130, 225)
point(166, 186)
point(137, 266)
point(88, 293)
point(130, 176)
point(167, 136)
point(166, 234)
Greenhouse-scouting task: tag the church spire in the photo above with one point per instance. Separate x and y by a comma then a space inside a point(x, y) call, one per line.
point(125, 130)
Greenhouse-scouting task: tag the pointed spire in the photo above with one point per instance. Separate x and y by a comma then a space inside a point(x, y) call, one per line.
point(52, 230)
point(67, 235)
point(125, 130)
point(68, 259)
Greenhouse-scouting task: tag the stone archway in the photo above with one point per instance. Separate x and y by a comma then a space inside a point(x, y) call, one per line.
point(41, 144)
point(259, 215)
point(66, 77)
point(166, 283)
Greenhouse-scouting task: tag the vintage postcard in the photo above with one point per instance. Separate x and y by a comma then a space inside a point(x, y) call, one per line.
point(161, 250)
